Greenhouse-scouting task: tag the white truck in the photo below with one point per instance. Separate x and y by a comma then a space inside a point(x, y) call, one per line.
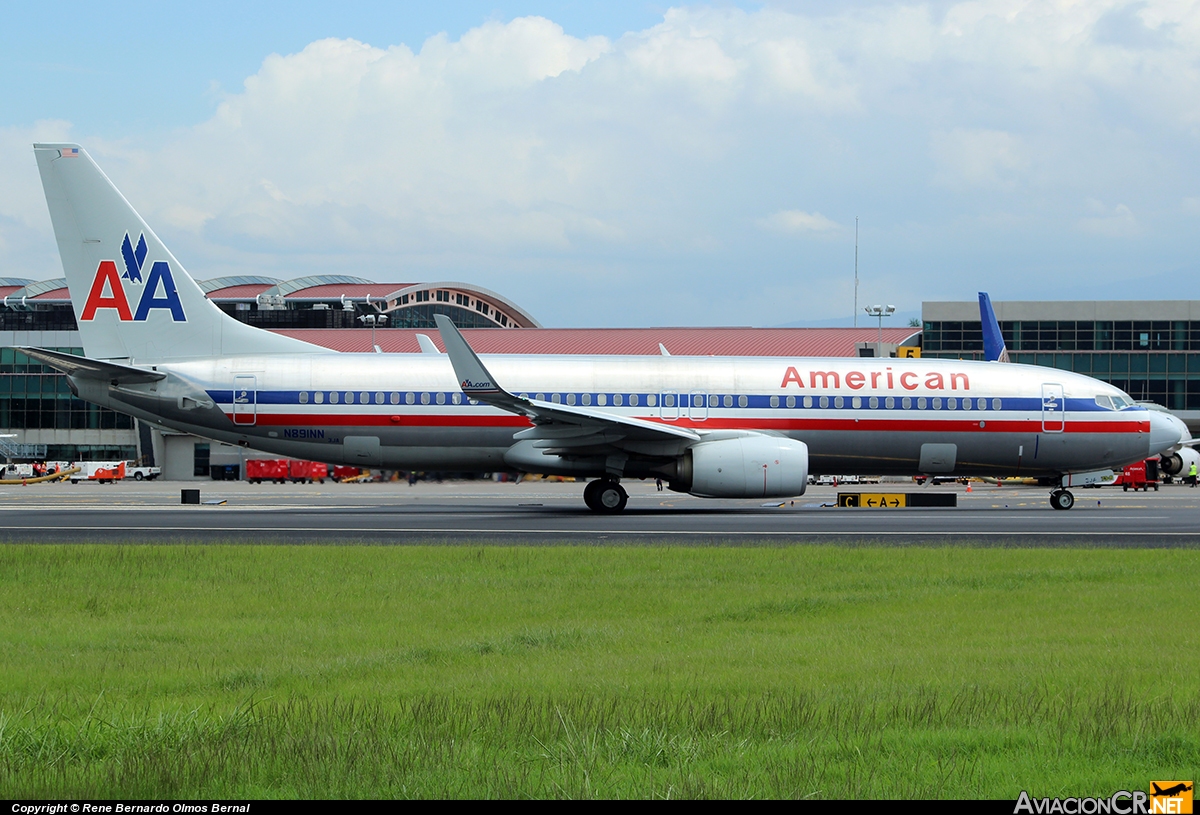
point(141, 473)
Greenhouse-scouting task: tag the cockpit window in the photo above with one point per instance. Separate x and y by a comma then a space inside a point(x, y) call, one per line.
point(1105, 402)
point(1114, 402)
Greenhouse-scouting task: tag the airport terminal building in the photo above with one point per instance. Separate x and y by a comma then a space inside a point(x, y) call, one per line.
point(1150, 349)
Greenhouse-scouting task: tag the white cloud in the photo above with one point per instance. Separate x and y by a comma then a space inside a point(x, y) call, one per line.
point(794, 221)
point(1111, 222)
point(977, 158)
point(553, 167)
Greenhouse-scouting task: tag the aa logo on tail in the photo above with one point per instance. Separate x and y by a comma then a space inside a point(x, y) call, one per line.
point(108, 292)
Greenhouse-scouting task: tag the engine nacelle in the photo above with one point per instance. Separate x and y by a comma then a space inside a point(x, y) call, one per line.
point(746, 467)
point(1170, 463)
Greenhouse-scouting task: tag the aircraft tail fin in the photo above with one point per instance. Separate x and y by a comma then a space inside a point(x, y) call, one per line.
point(133, 300)
point(994, 349)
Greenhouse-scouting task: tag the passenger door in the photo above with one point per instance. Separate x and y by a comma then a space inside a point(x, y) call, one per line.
point(245, 399)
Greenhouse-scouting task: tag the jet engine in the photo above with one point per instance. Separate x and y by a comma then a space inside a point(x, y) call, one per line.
point(1179, 462)
point(744, 467)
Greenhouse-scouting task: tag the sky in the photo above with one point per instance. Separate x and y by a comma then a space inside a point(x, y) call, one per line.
point(632, 163)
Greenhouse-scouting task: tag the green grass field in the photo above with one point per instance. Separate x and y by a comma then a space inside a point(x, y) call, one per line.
point(259, 671)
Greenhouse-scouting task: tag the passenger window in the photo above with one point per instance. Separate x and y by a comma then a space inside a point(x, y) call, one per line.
point(440, 398)
point(617, 400)
point(743, 401)
point(937, 403)
point(791, 401)
point(856, 402)
point(951, 403)
point(728, 400)
point(601, 399)
point(669, 400)
point(364, 398)
point(922, 402)
point(650, 399)
point(424, 398)
point(556, 398)
point(824, 401)
point(838, 401)
point(541, 397)
point(633, 400)
point(808, 401)
point(456, 398)
point(379, 398)
point(570, 398)
point(586, 398)
point(774, 401)
point(333, 397)
point(394, 398)
point(319, 397)
point(409, 398)
point(304, 397)
point(890, 402)
point(996, 403)
point(906, 403)
point(874, 403)
point(714, 401)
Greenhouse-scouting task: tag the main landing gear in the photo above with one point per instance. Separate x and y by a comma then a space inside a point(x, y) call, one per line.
point(1062, 499)
point(605, 495)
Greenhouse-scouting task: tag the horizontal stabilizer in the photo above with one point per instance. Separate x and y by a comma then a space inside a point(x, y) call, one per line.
point(82, 367)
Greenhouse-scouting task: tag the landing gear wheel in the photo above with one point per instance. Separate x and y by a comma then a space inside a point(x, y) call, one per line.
point(589, 495)
point(1062, 499)
point(610, 497)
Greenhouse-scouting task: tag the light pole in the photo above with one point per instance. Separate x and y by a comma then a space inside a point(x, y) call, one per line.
point(880, 312)
point(371, 320)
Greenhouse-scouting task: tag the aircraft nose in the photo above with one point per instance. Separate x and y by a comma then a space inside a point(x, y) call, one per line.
point(1164, 434)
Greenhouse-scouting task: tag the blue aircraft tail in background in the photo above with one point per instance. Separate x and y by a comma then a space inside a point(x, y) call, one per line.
point(993, 342)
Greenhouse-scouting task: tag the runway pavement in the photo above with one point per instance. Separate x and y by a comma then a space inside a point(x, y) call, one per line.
point(544, 513)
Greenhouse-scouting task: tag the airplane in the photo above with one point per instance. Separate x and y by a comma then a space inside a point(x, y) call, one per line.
point(1170, 792)
point(1175, 460)
point(715, 427)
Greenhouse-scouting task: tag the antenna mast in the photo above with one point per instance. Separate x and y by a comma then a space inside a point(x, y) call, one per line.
point(856, 271)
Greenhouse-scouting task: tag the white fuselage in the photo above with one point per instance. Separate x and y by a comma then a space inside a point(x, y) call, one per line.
point(868, 416)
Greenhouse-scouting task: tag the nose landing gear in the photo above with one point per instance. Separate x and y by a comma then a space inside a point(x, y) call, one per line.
point(605, 495)
point(1062, 499)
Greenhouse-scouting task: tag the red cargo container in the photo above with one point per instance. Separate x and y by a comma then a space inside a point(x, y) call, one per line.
point(259, 470)
point(1140, 476)
point(341, 471)
point(306, 472)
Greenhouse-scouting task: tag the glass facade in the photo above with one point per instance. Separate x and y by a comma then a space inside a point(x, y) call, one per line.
point(35, 397)
point(1156, 361)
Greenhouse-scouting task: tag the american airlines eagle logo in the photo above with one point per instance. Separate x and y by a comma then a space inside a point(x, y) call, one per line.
point(158, 288)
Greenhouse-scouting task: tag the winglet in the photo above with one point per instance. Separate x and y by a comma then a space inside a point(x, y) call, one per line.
point(662, 349)
point(473, 377)
point(993, 341)
point(426, 344)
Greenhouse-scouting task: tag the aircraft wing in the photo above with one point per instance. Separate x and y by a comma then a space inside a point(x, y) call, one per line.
point(557, 426)
point(87, 368)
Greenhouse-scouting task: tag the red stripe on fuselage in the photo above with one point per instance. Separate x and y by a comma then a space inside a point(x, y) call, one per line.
point(862, 425)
